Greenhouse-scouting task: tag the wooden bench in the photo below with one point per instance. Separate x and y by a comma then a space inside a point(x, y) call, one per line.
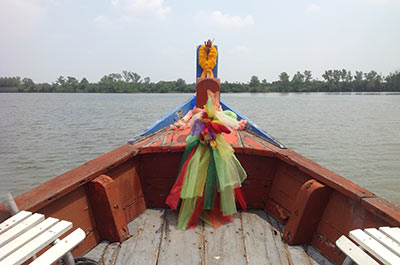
point(382, 244)
point(25, 234)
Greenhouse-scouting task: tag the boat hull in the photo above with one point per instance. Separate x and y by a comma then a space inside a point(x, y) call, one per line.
point(315, 205)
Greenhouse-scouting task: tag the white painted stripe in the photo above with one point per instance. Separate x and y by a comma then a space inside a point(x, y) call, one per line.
point(13, 220)
point(20, 228)
point(354, 252)
point(32, 247)
point(374, 247)
point(392, 232)
point(26, 237)
point(61, 248)
point(384, 240)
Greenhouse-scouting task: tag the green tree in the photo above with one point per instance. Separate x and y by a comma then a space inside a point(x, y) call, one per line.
point(393, 81)
point(28, 85)
point(130, 82)
point(329, 84)
point(71, 84)
point(10, 84)
point(254, 84)
point(127, 76)
point(44, 88)
point(307, 76)
point(180, 85)
point(297, 82)
point(83, 85)
point(284, 77)
point(358, 81)
point(112, 83)
point(283, 84)
point(373, 80)
point(308, 82)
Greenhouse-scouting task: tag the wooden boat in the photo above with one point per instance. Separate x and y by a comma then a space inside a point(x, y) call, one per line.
point(297, 209)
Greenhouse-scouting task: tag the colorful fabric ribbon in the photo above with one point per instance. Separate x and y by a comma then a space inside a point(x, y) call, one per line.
point(210, 176)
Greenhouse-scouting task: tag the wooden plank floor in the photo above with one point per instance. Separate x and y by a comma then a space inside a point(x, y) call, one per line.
point(252, 238)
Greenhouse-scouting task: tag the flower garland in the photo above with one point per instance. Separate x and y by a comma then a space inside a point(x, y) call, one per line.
point(207, 62)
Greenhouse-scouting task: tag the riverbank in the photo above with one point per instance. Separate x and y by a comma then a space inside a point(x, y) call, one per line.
point(130, 82)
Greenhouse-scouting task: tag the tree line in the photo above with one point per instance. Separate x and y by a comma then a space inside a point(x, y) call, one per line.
point(131, 82)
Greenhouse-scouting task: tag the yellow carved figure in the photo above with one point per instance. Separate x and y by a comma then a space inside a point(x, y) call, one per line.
point(207, 59)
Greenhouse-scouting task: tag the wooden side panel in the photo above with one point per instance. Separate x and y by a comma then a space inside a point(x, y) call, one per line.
point(110, 218)
point(285, 185)
point(260, 172)
point(134, 209)
point(309, 205)
point(384, 209)
point(158, 174)
point(157, 190)
point(159, 165)
point(256, 192)
point(352, 214)
point(277, 211)
point(341, 215)
point(328, 249)
point(127, 182)
point(75, 207)
point(258, 167)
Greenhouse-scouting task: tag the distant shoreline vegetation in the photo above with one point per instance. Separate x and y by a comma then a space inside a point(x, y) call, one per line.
point(130, 82)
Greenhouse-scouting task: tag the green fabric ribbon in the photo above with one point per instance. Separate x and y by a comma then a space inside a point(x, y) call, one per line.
point(210, 189)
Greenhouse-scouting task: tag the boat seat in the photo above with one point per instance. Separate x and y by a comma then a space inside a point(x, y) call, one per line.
point(383, 245)
point(23, 235)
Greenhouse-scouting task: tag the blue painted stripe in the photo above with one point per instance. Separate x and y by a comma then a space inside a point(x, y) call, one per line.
point(252, 126)
point(167, 120)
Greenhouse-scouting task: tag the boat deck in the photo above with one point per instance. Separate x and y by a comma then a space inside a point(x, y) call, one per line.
point(252, 238)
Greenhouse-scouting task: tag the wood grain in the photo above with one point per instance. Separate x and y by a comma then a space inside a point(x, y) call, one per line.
point(144, 245)
point(259, 239)
point(225, 245)
point(180, 247)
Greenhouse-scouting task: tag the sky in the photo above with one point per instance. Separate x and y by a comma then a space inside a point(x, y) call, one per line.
point(43, 39)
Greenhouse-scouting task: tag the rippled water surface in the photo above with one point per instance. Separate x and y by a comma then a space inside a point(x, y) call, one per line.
point(354, 135)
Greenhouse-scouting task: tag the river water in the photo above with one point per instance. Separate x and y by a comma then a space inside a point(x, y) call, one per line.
point(354, 135)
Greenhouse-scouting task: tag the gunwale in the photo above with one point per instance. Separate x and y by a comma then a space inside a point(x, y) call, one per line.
point(168, 140)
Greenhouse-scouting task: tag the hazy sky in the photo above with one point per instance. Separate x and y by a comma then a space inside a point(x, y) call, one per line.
point(43, 39)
